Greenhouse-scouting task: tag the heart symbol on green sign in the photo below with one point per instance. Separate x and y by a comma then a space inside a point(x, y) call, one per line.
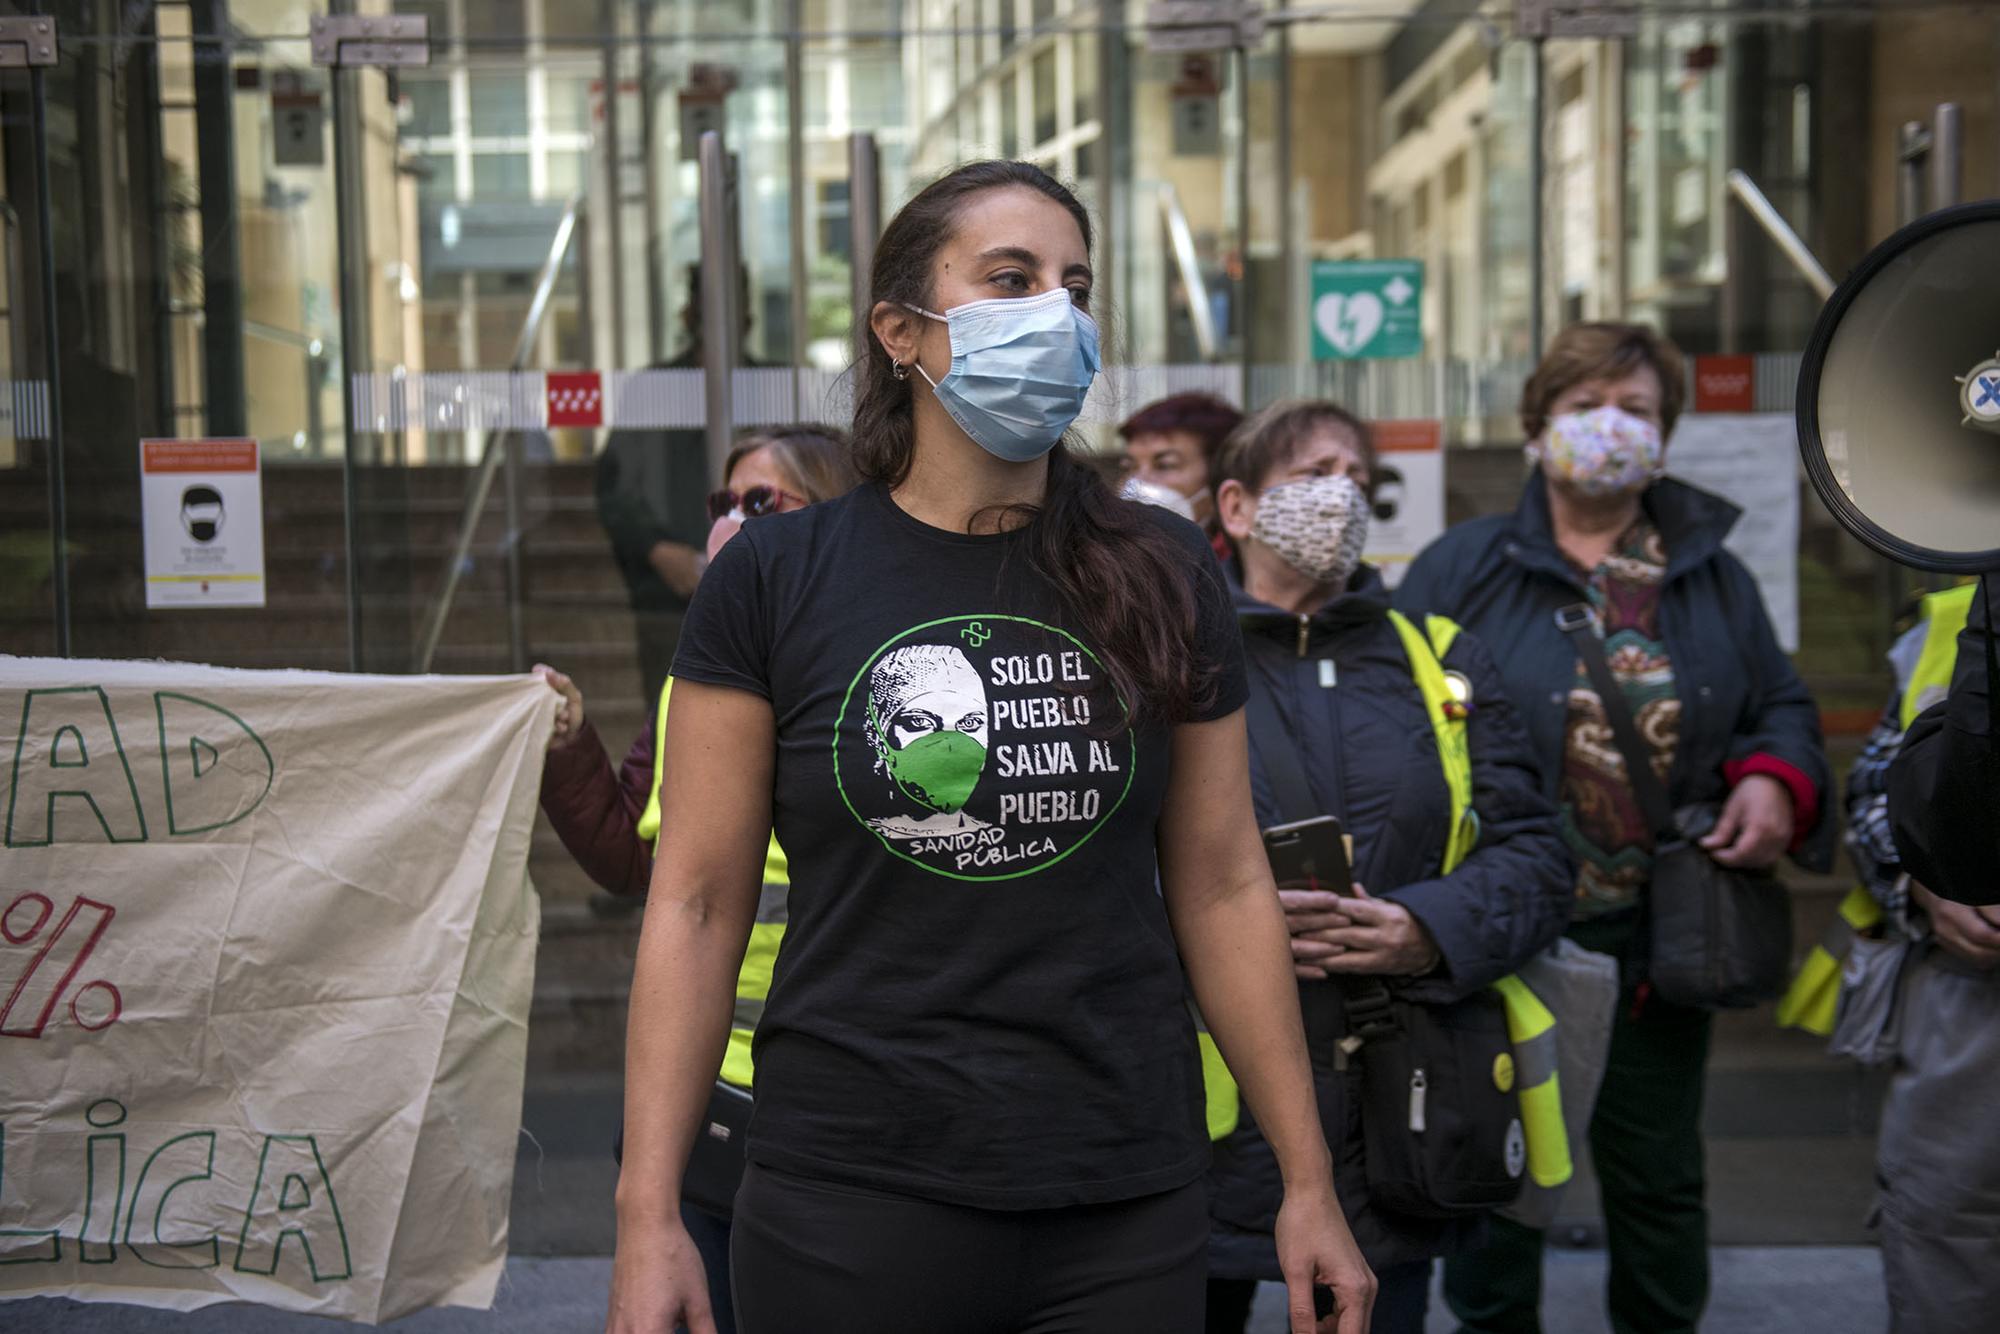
point(1349, 321)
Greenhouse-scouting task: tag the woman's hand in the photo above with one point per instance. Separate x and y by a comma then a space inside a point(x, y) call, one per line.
point(1308, 911)
point(1379, 938)
point(1755, 826)
point(569, 718)
point(657, 1283)
point(1315, 1247)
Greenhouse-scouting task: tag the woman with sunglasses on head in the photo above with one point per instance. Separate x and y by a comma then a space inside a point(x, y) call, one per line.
point(1002, 707)
point(609, 821)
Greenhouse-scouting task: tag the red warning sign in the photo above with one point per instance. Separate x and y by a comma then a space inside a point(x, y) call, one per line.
point(1725, 384)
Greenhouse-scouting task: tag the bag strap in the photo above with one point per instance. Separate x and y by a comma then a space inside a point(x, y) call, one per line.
point(1278, 750)
point(1578, 620)
point(1369, 1007)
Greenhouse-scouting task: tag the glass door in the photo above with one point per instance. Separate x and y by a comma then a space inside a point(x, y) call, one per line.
point(34, 550)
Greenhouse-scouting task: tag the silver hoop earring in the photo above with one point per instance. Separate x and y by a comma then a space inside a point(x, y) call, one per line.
point(899, 370)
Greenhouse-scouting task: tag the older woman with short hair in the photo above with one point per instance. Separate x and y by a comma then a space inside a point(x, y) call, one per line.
point(1726, 720)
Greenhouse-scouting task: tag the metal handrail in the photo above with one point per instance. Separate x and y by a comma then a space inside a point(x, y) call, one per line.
point(497, 446)
point(1780, 231)
point(1180, 240)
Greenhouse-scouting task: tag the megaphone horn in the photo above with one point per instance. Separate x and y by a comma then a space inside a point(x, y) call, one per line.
point(1899, 394)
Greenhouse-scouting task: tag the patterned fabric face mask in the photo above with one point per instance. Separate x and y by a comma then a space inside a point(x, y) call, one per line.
point(1604, 452)
point(1317, 526)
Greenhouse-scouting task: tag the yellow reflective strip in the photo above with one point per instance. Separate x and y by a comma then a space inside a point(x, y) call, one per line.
point(753, 987)
point(1945, 615)
point(1453, 753)
point(738, 1067)
point(1224, 1103)
point(1443, 632)
point(753, 980)
point(1814, 995)
point(649, 822)
point(774, 903)
point(1535, 1059)
point(1548, 1143)
point(777, 870)
point(1532, 1029)
point(1860, 910)
point(1527, 1017)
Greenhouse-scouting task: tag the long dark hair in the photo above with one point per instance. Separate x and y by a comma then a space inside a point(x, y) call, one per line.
point(1115, 568)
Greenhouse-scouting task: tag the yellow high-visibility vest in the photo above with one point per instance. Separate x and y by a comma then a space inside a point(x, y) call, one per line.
point(753, 980)
point(1813, 998)
point(1530, 1025)
point(1945, 615)
point(1810, 1002)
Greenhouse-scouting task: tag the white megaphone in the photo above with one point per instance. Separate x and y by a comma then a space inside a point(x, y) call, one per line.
point(1899, 395)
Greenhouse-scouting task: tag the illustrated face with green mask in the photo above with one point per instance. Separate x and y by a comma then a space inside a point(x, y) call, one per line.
point(927, 721)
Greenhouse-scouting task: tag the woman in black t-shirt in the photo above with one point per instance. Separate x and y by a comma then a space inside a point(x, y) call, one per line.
point(1003, 709)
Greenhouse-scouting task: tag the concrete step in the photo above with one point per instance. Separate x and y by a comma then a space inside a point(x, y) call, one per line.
point(583, 980)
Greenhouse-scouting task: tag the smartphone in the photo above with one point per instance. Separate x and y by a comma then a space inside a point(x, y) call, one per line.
point(1311, 852)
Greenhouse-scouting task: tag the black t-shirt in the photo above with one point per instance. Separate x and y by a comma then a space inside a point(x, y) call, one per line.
point(978, 999)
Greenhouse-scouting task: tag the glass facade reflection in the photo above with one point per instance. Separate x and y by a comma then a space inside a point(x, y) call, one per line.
point(372, 271)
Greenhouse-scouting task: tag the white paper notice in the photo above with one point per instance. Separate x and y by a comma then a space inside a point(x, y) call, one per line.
point(1752, 460)
point(203, 506)
point(1409, 495)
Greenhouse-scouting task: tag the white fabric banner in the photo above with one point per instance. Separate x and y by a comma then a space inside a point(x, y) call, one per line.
point(267, 948)
point(1753, 460)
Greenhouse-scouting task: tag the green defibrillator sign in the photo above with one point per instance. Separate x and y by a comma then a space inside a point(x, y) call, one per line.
point(1365, 309)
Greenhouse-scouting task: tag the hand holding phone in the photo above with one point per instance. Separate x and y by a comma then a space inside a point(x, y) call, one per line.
point(1310, 855)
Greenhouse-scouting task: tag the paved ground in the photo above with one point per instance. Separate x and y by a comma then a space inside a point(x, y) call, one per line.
point(1799, 1290)
point(1790, 1149)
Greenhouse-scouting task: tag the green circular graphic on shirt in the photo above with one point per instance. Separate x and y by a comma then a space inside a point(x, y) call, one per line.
point(978, 747)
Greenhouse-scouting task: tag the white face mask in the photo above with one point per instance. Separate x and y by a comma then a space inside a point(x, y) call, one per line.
point(1317, 525)
point(1152, 493)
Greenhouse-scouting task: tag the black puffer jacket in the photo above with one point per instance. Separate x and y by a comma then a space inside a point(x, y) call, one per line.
point(1371, 758)
point(1502, 578)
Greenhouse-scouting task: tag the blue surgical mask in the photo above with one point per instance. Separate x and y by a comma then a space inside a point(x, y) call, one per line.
point(1020, 367)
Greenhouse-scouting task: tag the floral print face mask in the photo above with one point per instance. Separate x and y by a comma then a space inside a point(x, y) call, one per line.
point(1604, 452)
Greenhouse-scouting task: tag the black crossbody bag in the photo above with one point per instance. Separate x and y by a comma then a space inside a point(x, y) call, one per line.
point(715, 1166)
point(1718, 938)
point(1441, 1137)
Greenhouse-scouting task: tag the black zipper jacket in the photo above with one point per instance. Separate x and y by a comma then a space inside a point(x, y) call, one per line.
point(1341, 683)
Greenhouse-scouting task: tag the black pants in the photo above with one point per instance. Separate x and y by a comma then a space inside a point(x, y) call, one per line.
point(835, 1259)
point(1402, 1297)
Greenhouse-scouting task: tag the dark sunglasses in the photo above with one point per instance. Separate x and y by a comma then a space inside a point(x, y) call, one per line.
point(755, 502)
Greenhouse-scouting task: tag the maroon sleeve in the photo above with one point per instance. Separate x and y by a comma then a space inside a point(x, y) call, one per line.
point(1805, 797)
point(596, 812)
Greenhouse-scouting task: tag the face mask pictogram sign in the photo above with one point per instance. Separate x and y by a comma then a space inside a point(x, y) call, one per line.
point(203, 507)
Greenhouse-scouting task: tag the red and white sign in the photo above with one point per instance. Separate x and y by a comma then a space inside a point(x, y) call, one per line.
point(1409, 493)
point(576, 398)
point(1725, 384)
point(202, 506)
